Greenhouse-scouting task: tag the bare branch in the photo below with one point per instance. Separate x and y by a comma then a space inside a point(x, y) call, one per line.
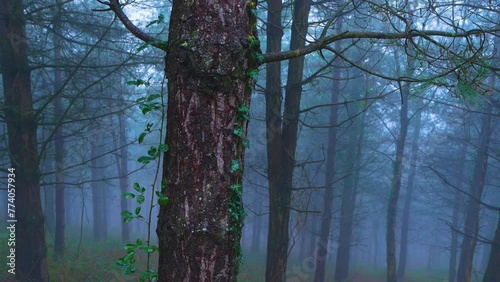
point(116, 7)
point(323, 43)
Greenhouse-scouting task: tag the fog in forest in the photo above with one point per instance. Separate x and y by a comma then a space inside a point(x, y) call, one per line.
point(267, 141)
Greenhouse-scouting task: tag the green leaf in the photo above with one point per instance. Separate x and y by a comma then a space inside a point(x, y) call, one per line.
point(152, 151)
point(137, 187)
point(129, 247)
point(120, 262)
point(138, 209)
point(127, 219)
point(153, 97)
point(126, 213)
point(140, 199)
point(128, 195)
point(238, 131)
point(145, 159)
point(144, 46)
point(141, 137)
point(235, 165)
point(163, 185)
point(184, 44)
point(246, 143)
point(138, 242)
point(138, 82)
point(162, 148)
point(163, 200)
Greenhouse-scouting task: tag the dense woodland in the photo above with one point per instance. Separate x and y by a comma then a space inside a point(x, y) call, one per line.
point(224, 140)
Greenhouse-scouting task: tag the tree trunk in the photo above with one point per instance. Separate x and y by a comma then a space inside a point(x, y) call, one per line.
point(349, 191)
point(457, 208)
point(256, 231)
point(492, 273)
point(282, 136)
point(31, 252)
point(473, 206)
point(396, 186)
point(97, 187)
point(326, 220)
point(209, 66)
point(58, 139)
point(409, 193)
point(122, 160)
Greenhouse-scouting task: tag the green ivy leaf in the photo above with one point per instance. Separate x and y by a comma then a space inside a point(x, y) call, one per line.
point(141, 137)
point(235, 165)
point(145, 159)
point(128, 195)
point(163, 200)
point(140, 199)
point(129, 247)
point(137, 187)
point(238, 131)
point(152, 151)
point(120, 262)
point(162, 148)
point(138, 82)
point(153, 97)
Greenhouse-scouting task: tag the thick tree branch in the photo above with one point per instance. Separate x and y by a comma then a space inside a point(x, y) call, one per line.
point(323, 43)
point(116, 7)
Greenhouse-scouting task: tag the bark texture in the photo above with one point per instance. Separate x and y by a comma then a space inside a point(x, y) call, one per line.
point(209, 66)
point(31, 252)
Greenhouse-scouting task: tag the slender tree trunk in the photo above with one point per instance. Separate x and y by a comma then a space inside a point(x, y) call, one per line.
point(58, 140)
point(122, 160)
point(326, 219)
point(208, 66)
point(282, 137)
point(457, 208)
point(409, 193)
point(349, 191)
point(97, 187)
point(396, 186)
point(472, 206)
point(31, 250)
point(492, 273)
point(256, 231)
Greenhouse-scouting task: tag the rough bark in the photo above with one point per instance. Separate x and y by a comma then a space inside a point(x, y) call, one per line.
point(492, 273)
point(209, 67)
point(282, 135)
point(405, 222)
point(31, 252)
point(471, 227)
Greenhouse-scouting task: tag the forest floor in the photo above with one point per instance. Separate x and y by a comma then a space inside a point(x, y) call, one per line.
point(97, 262)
